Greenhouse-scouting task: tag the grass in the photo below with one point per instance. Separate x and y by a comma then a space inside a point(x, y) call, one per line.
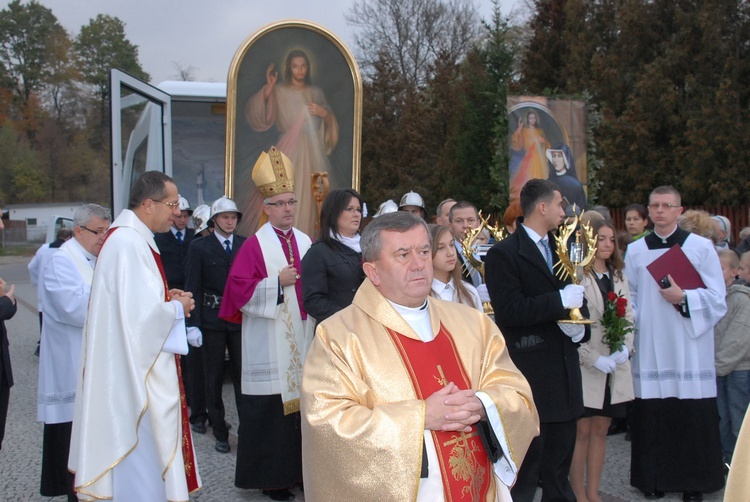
point(14, 249)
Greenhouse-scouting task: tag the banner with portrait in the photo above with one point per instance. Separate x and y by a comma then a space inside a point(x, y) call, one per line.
point(548, 140)
point(296, 86)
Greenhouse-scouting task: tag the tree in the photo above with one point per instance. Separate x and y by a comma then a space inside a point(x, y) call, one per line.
point(412, 34)
point(28, 34)
point(100, 46)
point(185, 73)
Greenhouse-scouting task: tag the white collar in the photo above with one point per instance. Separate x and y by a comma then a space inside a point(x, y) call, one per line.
point(534, 236)
point(665, 237)
point(222, 239)
point(417, 318)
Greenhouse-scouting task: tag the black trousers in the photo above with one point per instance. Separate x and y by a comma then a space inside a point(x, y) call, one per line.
point(4, 398)
point(56, 479)
point(548, 460)
point(195, 385)
point(269, 446)
point(676, 445)
point(215, 343)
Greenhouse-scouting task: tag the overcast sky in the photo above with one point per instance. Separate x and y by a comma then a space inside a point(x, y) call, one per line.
point(206, 34)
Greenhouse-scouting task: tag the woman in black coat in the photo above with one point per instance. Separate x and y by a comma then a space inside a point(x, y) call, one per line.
point(332, 267)
point(7, 310)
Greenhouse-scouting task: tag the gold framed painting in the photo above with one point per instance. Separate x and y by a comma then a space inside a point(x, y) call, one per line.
point(294, 85)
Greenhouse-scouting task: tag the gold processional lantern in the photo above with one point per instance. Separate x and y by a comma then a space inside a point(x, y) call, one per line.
point(575, 258)
point(474, 253)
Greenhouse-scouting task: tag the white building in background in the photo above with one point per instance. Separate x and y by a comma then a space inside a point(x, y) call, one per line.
point(42, 220)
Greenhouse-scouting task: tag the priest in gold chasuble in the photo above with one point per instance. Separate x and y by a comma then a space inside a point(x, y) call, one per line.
point(408, 397)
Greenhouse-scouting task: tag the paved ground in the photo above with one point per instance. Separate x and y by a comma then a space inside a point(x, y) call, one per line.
point(20, 457)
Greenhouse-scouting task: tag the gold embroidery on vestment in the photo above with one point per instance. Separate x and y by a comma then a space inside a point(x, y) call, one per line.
point(464, 465)
point(441, 379)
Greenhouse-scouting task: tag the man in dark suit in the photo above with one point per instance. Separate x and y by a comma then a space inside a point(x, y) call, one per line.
point(208, 262)
point(173, 246)
point(529, 301)
point(7, 311)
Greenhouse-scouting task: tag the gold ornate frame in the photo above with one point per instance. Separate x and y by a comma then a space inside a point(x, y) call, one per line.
point(234, 167)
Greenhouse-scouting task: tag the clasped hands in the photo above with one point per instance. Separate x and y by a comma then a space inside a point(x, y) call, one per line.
point(185, 298)
point(452, 409)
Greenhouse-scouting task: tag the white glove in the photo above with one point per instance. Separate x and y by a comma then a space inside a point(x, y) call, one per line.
point(605, 364)
point(194, 336)
point(621, 356)
point(573, 331)
point(572, 296)
point(484, 295)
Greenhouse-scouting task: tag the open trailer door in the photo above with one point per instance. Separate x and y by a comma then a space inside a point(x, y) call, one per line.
point(141, 133)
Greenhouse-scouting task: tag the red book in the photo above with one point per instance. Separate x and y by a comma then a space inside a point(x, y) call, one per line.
point(675, 263)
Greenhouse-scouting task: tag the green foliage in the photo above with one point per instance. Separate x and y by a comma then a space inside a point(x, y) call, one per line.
point(668, 86)
point(28, 34)
point(100, 46)
point(446, 138)
point(53, 142)
point(23, 180)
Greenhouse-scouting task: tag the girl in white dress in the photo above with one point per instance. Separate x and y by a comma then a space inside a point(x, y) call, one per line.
point(446, 282)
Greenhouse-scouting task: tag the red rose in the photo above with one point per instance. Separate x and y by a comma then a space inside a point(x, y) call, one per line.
point(621, 311)
point(611, 296)
point(622, 302)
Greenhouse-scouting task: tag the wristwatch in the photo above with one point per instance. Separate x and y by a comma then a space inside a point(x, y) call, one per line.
point(683, 301)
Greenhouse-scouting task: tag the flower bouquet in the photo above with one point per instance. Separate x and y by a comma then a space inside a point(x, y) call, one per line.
point(614, 322)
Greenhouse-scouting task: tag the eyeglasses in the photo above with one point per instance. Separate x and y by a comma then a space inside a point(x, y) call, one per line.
point(280, 204)
point(353, 210)
point(170, 204)
point(95, 232)
point(661, 205)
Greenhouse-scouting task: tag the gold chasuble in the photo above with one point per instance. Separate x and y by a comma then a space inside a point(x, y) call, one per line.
point(464, 464)
point(363, 411)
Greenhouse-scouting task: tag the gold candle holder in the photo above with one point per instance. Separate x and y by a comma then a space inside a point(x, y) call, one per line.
point(575, 258)
point(467, 243)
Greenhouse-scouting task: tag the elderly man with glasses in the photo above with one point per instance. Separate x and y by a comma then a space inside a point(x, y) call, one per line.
point(264, 293)
point(64, 290)
point(675, 430)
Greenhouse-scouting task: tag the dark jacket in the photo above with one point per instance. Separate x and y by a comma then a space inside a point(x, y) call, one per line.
point(526, 299)
point(174, 256)
point(7, 311)
point(331, 275)
point(206, 272)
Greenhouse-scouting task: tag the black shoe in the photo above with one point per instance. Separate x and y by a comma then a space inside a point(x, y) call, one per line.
point(222, 446)
point(654, 495)
point(279, 494)
point(692, 496)
point(618, 426)
point(198, 427)
point(36, 352)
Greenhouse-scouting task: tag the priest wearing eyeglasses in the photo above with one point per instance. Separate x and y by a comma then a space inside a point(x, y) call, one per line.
point(264, 293)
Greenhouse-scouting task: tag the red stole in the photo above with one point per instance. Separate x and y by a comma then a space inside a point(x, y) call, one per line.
point(187, 439)
point(464, 464)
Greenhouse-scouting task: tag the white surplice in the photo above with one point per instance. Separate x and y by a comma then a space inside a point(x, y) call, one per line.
point(64, 287)
point(674, 354)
